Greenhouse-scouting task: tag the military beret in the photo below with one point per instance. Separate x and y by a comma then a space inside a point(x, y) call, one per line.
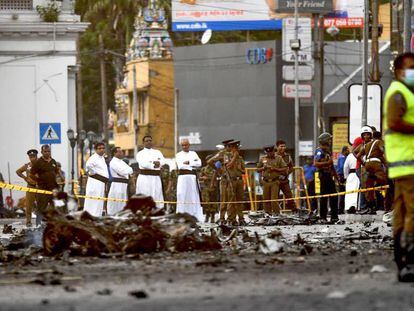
point(227, 142)
point(235, 143)
point(269, 148)
point(32, 152)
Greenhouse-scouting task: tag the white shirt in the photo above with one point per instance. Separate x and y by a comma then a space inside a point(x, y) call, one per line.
point(147, 157)
point(350, 163)
point(96, 165)
point(191, 157)
point(119, 169)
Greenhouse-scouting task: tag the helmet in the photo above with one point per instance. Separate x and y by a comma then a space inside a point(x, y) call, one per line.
point(366, 129)
point(324, 137)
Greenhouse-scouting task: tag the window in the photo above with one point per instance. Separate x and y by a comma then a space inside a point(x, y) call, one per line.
point(16, 5)
point(122, 113)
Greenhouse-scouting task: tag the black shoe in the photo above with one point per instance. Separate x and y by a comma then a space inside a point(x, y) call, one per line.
point(234, 223)
point(364, 211)
point(242, 223)
point(406, 275)
point(351, 210)
point(372, 211)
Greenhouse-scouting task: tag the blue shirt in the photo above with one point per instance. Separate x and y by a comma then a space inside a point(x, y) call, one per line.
point(309, 171)
point(340, 165)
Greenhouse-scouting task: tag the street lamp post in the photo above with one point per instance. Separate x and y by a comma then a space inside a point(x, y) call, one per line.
point(72, 140)
point(91, 138)
point(81, 144)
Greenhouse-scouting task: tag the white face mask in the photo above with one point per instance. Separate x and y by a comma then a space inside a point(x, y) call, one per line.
point(409, 77)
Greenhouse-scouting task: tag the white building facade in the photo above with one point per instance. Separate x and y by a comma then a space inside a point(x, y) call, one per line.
point(37, 82)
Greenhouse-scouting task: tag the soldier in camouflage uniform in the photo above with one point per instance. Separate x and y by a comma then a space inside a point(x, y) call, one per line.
point(171, 192)
point(271, 167)
point(223, 157)
point(235, 170)
point(208, 181)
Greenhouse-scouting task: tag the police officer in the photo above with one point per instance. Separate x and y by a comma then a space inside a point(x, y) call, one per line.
point(271, 166)
point(25, 173)
point(324, 163)
point(284, 178)
point(371, 155)
point(235, 170)
point(399, 149)
point(208, 181)
point(220, 159)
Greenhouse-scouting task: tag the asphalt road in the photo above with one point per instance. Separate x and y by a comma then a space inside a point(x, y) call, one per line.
point(335, 275)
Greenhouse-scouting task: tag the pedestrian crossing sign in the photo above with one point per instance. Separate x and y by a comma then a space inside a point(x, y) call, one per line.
point(50, 133)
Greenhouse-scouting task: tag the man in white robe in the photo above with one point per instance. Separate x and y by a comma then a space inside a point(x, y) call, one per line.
point(188, 193)
point(149, 178)
point(97, 179)
point(352, 181)
point(120, 172)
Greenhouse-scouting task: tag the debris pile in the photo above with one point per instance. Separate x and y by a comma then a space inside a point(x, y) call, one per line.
point(141, 228)
point(263, 219)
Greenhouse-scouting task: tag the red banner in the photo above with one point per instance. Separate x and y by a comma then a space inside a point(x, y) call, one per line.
point(356, 22)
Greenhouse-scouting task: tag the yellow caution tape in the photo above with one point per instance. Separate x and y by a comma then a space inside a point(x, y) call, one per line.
point(33, 190)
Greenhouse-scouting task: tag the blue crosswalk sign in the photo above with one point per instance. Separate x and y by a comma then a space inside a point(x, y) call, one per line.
point(50, 133)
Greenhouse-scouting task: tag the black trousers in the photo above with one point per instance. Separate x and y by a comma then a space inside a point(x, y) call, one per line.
point(328, 187)
point(310, 185)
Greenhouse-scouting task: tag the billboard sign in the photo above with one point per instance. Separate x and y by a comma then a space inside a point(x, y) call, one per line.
point(374, 111)
point(225, 15)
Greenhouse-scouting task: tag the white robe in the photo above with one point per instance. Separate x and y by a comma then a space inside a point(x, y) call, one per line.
point(187, 188)
point(150, 185)
point(95, 165)
point(119, 169)
point(352, 182)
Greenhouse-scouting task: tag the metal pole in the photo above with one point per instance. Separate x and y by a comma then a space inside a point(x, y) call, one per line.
point(104, 98)
point(317, 80)
point(135, 106)
point(296, 86)
point(82, 146)
point(375, 73)
point(297, 107)
point(72, 172)
point(365, 66)
point(176, 94)
point(407, 25)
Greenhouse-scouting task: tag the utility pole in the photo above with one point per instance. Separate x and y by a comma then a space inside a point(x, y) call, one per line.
point(321, 116)
point(317, 79)
point(296, 51)
point(375, 75)
point(365, 65)
point(104, 98)
point(79, 90)
point(135, 105)
point(407, 25)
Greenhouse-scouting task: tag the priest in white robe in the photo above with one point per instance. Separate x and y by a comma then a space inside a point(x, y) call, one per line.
point(149, 178)
point(352, 181)
point(120, 172)
point(188, 193)
point(97, 179)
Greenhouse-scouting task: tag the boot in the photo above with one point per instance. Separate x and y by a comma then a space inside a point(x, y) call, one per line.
point(207, 217)
point(406, 273)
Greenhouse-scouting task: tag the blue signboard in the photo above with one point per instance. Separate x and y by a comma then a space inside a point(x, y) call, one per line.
point(50, 133)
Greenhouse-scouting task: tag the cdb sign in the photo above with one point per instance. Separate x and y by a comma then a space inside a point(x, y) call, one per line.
point(255, 56)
